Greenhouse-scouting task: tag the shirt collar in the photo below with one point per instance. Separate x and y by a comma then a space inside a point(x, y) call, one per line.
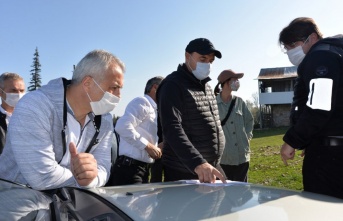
point(191, 75)
point(151, 101)
point(71, 112)
point(220, 100)
point(4, 111)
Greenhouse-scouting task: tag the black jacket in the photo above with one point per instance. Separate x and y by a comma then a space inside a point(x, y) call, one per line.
point(192, 133)
point(3, 131)
point(318, 114)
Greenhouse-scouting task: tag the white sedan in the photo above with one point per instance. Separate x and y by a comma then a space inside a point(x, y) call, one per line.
point(182, 200)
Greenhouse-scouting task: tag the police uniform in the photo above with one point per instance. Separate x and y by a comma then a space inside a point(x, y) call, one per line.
point(317, 117)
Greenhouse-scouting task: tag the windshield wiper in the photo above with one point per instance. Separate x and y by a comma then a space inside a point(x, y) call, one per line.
point(61, 205)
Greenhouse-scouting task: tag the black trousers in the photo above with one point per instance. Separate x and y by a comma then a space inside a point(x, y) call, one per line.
point(128, 174)
point(323, 169)
point(236, 172)
point(156, 171)
point(170, 174)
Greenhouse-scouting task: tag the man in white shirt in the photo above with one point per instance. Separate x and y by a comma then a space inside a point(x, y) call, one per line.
point(138, 138)
point(12, 88)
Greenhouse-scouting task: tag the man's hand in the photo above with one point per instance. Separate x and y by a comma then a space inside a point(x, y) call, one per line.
point(287, 153)
point(302, 153)
point(153, 151)
point(160, 145)
point(207, 173)
point(83, 166)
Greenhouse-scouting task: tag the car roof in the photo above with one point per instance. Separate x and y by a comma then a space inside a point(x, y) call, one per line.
point(232, 201)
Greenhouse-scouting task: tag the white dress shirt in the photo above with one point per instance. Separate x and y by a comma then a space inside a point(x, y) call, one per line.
point(74, 133)
point(137, 127)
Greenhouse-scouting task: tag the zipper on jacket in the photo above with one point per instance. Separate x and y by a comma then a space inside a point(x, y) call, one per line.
point(81, 133)
point(217, 129)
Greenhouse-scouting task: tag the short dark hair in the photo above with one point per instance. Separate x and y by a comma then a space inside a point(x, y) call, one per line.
point(298, 30)
point(155, 80)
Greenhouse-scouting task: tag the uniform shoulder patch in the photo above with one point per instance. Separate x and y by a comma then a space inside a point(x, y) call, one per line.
point(321, 71)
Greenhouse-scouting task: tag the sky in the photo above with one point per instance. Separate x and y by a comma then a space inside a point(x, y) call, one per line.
point(150, 36)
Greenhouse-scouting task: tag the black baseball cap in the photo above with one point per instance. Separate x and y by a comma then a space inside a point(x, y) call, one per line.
point(202, 46)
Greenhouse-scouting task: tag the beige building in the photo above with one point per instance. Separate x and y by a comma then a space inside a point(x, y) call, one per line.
point(275, 95)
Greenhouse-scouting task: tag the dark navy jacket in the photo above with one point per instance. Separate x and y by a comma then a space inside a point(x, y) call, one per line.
point(322, 63)
point(192, 133)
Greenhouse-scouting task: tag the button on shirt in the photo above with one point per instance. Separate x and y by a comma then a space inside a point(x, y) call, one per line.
point(237, 130)
point(137, 127)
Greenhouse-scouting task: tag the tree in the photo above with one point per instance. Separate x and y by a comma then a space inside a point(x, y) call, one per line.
point(255, 99)
point(254, 109)
point(35, 82)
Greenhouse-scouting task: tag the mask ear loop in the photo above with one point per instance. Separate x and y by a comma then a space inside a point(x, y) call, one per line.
point(89, 96)
point(98, 85)
point(306, 40)
point(3, 91)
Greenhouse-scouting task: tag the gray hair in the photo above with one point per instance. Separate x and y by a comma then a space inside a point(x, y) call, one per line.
point(155, 80)
point(95, 64)
point(9, 76)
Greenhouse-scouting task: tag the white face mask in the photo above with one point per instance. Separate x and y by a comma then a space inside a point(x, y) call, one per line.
point(202, 70)
point(12, 98)
point(296, 55)
point(235, 85)
point(106, 104)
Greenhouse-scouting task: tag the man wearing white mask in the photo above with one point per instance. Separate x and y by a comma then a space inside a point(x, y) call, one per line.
point(192, 134)
point(60, 135)
point(317, 106)
point(12, 88)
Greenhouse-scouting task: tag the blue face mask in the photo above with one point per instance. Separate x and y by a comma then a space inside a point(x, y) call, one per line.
point(202, 70)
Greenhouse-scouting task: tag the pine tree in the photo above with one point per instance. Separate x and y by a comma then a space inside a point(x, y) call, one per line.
point(35, 82)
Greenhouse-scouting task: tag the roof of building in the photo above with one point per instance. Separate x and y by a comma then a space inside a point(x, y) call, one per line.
point(278, 73)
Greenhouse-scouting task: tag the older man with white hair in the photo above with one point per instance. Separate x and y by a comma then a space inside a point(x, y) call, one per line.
point(60, 135)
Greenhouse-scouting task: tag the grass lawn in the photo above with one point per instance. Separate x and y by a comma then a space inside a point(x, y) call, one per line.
point(266, 166)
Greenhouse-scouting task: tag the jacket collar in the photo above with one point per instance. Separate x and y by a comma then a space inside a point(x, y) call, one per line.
point(190, 75)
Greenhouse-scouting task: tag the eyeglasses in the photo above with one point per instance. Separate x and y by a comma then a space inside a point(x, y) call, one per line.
point(285, 48)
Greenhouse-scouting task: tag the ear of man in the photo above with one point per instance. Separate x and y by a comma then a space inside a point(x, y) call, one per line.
point(87, 83)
